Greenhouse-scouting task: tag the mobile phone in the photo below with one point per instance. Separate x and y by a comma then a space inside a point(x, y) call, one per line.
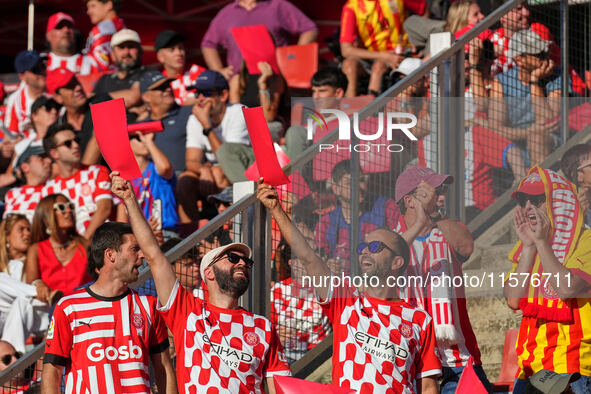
point(157, 212)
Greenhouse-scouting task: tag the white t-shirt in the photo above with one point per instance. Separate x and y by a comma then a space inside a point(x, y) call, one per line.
point(232, 129)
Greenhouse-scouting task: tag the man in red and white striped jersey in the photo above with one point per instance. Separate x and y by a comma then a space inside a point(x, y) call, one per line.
point(62, 47)
point(106, 334)
point(381, 343)
point(103, 14)
point(220, 346)
point(170, 52)
point(31, 71)
point(438, 247)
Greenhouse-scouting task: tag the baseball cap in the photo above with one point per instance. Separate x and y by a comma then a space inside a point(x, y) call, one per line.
point(413, 176)
point(125, 35)
point(550, 382)
point(210, 79)
point(57, 79)
point(532, 184)
point(26, 61)
point(225, 196)
point(167, 38)
point(43, 101)
point(57, 18)
point(31, 150)
point(215, 253)
point(408, 65)
point(152, 79)
point(527, 42)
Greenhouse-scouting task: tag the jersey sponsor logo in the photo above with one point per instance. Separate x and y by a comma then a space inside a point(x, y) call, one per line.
point(252, 339)
point(232, 357)
point(405, 330)
point(385, 350)
point(96, 353)
point(50, 330)
point(137, 320)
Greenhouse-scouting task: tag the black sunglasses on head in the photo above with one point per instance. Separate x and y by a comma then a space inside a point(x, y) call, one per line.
point(535, 200)
point(7, 358)
point(373, 247)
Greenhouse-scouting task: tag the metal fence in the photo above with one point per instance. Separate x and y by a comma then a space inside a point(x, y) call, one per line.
point(459, 116)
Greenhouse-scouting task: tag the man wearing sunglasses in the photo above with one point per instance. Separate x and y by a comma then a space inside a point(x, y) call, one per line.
point(219, 345)
point(381, 343)
point(89, 187)
point(554, 247)
point(30, 67)
point(438, 247)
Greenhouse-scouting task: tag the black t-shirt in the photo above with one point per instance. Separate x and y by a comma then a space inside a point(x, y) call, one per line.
point(112, 83)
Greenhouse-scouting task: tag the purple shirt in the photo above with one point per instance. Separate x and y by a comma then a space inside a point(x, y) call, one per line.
point(281, 17)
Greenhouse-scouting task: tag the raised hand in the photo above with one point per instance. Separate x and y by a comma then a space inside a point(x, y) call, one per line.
point(267, 195)
point(120, 187)
point(543, 229)
point(522, 227)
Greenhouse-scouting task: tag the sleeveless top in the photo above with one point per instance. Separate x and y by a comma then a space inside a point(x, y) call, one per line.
point(62, 277)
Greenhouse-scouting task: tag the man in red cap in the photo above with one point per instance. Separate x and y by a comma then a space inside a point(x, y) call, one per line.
point(438, 247)
point(66, 90)
point(62, 47)
point(550, 280)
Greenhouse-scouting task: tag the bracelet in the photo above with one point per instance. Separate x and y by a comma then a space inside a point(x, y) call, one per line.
point(34, 283)
point(476, 67)
point(266, 93)
point(207, 130)
point(538, 82)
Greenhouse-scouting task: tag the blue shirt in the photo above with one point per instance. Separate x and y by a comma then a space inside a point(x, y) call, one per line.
point(154, 187)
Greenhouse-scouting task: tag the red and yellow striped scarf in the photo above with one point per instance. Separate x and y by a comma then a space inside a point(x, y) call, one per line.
point(566, 223)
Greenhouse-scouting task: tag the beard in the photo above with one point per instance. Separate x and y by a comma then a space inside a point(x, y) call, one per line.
point(230, 285)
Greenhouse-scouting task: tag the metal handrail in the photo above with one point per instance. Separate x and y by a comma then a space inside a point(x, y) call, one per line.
point(247, 201)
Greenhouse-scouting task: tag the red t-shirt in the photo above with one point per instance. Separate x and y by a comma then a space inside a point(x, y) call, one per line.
point(23, 200)
point(62, 277)
point(379, 346)
point(105, 343)
point(183, 81)
point(221, 350)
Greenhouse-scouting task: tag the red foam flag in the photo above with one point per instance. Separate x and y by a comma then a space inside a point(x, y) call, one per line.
point(110, 130)
point(469, 381)
point(262, 144)
point(256, 45)
point(289, 385)
point(145, 127)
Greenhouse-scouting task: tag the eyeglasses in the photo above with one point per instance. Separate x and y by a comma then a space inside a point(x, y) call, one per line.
point(535, 200)
point(61, 207)
point(68, 143)
point(373, 247)
point(7, 358)
point(235, 259)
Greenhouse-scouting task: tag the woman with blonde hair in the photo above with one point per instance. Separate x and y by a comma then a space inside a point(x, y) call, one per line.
point(23, 310)
point(57, 259)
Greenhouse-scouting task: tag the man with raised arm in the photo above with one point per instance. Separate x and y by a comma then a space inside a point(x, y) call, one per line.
point(219, 345)
point(381, 343)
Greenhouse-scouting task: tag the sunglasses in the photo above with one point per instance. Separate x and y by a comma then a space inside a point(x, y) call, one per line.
point(373, 247)
point(7, 358)
point(61, 207)
point(441, 189)
point(204, 92)
point(68, 143)
point(235, 259)
point(535, 200)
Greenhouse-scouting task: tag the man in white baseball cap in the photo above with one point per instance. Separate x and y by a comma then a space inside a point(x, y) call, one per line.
point(127, 56)
point(219, 345)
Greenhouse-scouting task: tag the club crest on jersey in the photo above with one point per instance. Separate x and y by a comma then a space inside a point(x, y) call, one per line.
point(251, 338)
point(549, 291)
point(86, 190)
point(137, 320)
point(405, 330)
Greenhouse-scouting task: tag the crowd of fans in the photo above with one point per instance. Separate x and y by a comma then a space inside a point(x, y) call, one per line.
point(59, 200)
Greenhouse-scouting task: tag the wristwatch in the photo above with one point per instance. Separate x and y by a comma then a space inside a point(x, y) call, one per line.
point(207, 130)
